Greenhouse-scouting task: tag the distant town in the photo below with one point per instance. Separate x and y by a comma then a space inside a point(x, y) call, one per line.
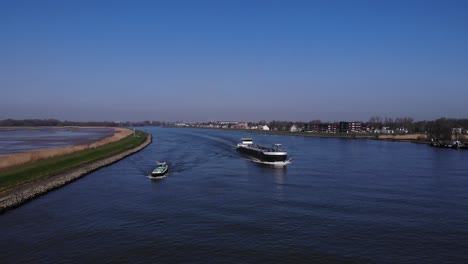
point(440, 128)
point(340, 127)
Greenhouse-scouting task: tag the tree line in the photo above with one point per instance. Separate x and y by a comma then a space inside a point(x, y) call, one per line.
point(50, 122)
point(441, 128)
point(56, 122)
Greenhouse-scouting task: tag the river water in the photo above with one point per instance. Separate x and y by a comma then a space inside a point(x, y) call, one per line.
point(339, 201)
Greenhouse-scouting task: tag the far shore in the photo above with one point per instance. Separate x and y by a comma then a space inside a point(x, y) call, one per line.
point(417, 138)
point(414, 138)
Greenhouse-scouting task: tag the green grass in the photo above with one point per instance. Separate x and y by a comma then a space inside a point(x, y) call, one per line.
point(42, 169)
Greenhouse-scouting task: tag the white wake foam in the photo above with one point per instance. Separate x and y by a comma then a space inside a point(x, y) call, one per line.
point(274, 164)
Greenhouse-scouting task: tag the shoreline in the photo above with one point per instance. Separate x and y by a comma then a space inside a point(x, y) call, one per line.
point(384, 137)
point(24, 193)
point(415, 138)
point(19, 158)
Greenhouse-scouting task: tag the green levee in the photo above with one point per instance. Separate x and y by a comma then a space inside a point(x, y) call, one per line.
point(42, 169)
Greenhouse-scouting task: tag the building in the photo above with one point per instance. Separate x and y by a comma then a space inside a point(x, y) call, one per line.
point(328, 128)
point(243, 125)
point(457, 130)
point(384, 130)
point(312, 128)
point(344, 127)
point(332, 128)
point(229, 123)
point(294, 128)
point(355, 126)
point(351, 127)
point(265, 127)
point(401, 130)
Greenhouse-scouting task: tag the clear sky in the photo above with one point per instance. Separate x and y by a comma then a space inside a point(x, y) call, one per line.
point(233, 60)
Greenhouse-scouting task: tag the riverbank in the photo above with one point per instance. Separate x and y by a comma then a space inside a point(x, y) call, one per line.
point(28, 139)
point(20, 184)
point(417, 138)
point(414, 138)
point(15, 159)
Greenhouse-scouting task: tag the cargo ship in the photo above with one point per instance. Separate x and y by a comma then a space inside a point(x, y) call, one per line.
point(269, 155)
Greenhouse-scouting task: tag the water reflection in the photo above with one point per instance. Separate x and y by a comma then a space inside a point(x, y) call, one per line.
point(279, 177)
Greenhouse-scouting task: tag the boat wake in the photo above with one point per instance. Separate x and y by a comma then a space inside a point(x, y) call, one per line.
point(162, 176)
point(156, 177)
point(277, 164)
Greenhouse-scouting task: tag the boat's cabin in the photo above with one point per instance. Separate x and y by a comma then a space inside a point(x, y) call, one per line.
point(276, 147)
point(161, 164)
point(247, 141)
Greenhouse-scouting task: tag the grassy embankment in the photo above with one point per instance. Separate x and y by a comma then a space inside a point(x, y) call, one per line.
point(43, 169)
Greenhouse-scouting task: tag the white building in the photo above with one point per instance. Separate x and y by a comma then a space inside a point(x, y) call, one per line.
point(384, 130)
point(402, 130)
point(294, 128)
point(265, 127)
point(457, 130)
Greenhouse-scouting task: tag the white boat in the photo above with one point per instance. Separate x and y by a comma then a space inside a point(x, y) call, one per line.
point(161, 169)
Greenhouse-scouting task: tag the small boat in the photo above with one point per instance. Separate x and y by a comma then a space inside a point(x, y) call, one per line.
point(161, 169)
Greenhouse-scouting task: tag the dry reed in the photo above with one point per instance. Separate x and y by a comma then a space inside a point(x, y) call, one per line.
point(8, 161)
point(404, 137)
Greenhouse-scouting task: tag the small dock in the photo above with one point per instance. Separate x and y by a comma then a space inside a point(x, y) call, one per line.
point(452, 145)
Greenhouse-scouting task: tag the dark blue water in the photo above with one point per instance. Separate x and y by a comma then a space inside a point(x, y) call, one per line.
point(21, 140)
point(340, 201)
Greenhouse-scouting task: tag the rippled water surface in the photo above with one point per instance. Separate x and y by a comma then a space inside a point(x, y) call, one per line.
point(339, 201)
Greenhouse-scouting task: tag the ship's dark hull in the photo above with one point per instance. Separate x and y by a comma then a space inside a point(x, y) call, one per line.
point(158, 174)
point(260, 155)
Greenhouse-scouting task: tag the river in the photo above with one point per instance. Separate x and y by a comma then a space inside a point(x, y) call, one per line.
point(339, 201)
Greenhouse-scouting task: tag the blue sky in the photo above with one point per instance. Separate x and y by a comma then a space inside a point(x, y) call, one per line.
point(233, 60)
